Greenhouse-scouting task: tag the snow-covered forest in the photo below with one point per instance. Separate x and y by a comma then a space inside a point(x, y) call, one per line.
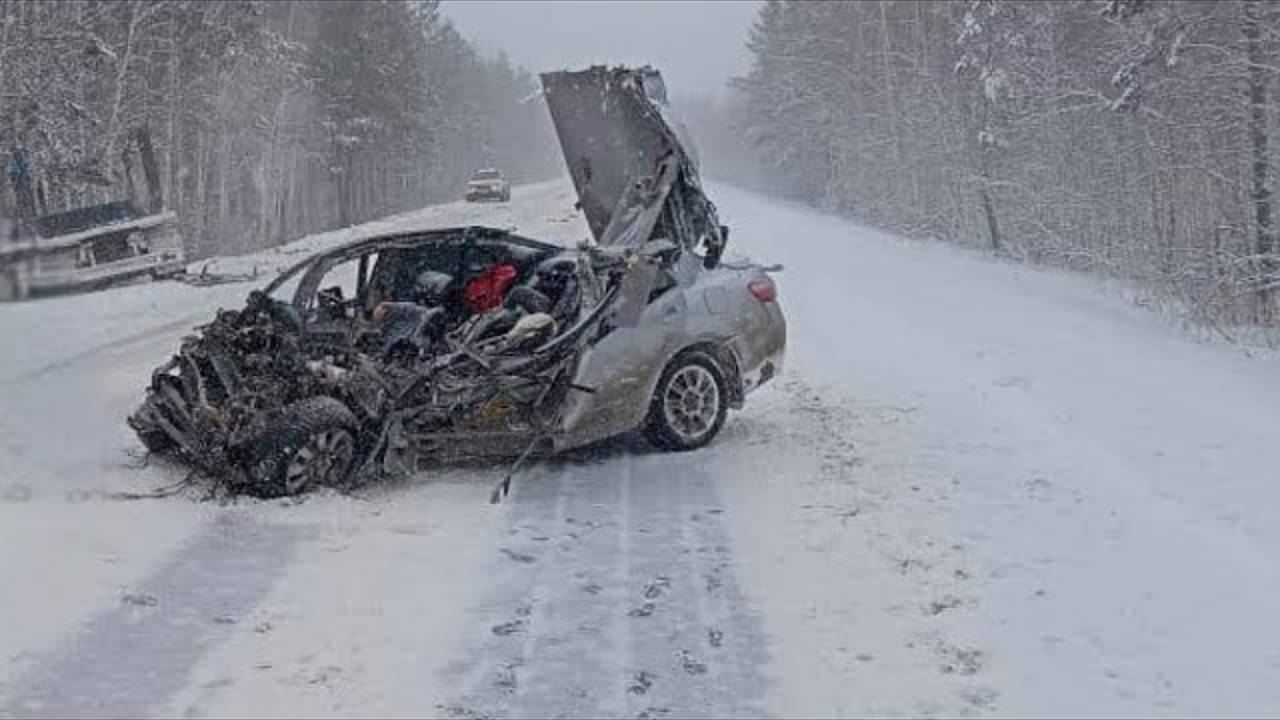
point(270, 120)
point(1125, 137)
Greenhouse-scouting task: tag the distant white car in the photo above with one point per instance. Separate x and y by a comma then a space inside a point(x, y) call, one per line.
point(488, 184)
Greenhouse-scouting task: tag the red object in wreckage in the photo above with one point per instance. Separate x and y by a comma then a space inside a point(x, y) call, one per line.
point(485, 293)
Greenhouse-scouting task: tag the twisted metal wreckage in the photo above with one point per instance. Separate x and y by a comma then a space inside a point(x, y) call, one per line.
point(471, 341)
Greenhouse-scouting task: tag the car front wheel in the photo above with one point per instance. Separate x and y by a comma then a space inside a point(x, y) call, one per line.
point(689, 405)
point(311, 445)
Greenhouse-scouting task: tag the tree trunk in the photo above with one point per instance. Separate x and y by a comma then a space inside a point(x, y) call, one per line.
point(150, 171)
point(891, 104)
point(344, 189)
point(989, 212)
point(171, 124)
point(1264, 242)
point(121, 82)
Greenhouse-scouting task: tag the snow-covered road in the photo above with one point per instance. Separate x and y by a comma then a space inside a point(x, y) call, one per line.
point(978, 489)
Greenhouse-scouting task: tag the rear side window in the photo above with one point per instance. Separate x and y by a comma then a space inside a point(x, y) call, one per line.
point(397, 269)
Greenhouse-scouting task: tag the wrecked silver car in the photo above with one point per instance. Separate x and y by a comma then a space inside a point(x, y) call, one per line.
point(395, 351)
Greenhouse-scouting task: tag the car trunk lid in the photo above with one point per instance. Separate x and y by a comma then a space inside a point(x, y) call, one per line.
point(625, 158)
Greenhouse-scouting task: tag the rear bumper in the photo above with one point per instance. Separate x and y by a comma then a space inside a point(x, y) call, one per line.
point(767, 370)
point(763, 354)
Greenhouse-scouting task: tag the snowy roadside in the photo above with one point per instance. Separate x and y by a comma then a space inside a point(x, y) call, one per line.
point(1024, 496)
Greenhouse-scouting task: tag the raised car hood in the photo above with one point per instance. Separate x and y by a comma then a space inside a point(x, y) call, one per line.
point(625, 158)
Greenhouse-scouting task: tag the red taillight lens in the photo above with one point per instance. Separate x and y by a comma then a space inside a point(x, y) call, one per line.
point(763, 289)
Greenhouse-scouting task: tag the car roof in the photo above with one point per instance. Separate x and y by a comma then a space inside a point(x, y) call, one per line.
point(411, 239)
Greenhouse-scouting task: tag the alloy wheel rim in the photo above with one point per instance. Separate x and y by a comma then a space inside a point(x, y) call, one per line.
point(691, 403)
point(322, 461)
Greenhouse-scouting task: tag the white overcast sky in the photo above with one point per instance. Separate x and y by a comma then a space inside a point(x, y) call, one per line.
point(697, 44)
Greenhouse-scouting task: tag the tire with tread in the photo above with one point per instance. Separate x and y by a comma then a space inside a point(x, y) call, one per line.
point(297, 425)
point(658, 428)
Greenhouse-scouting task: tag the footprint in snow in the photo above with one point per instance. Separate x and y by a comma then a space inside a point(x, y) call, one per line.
point(691, 664)
point(947, 602)
point(641, 683)
point(982, 697)
point(715, 637)
point(657, 587)
point(643, 611)
point(519, 557)
point(140, 599)
point(508, 628)
point(960, 661)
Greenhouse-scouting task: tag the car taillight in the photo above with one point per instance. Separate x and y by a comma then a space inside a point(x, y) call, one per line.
point(763, 289)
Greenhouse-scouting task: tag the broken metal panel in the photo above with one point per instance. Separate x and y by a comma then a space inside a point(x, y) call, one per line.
point(627, 162)
point(603, 145)
point(624, 367)
point(634, 289)
point(90, 247)
point(37, 245)
point(95, 257)
point(84, 218)
point(616, 147)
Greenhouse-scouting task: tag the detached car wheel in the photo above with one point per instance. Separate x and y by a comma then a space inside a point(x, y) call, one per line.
point(312, 444)
point(689, 405)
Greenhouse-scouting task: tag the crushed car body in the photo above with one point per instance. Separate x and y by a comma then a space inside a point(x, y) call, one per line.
point(399, 350)
point(94, 246)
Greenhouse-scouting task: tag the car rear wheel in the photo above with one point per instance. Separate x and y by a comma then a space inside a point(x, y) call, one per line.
point(689, 405)
point(313, 444)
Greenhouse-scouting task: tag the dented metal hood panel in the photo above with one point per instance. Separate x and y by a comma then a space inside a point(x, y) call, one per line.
point(620, 151)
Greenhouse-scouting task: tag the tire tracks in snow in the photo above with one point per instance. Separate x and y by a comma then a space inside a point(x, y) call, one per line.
point(614, 596)
point(130, 659)
point(870, 594)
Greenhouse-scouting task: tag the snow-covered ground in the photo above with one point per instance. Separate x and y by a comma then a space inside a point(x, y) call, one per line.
point(978, 489)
